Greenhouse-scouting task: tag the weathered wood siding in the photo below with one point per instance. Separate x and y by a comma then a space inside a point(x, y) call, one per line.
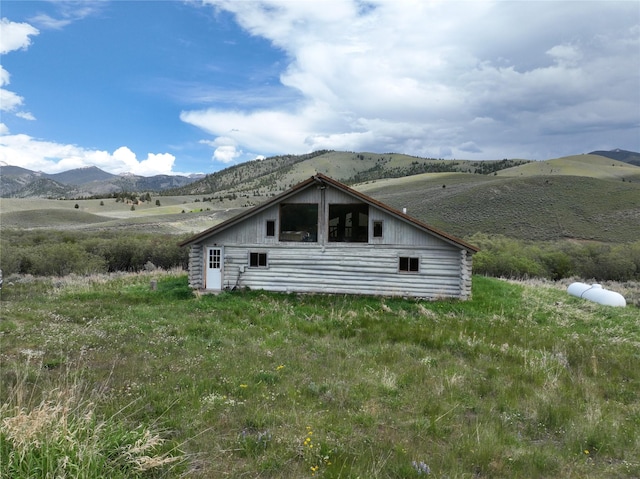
point(361, 269)
point(337, 267)
point(197, 264)
point(252, 231)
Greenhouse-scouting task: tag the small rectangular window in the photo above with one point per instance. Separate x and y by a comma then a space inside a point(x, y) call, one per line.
point(408, 264)
point(271, 228)
point(377, 229)
point(258, 260)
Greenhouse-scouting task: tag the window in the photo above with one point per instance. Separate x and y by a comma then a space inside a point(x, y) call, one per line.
point(299, 222)
point(258, 260)
point(377, 229)
point(349, 222)
point(408, 264)
point(271, 228)
point(214, 258)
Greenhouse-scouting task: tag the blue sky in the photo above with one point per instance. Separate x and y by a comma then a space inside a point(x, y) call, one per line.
point(175, 87)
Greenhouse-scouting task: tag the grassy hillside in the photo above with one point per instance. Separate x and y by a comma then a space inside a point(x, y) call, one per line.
point(530, 207)
point(586, 197)
point(176, 214)
point(50, 218)
point(520, 382)
point(592, 166)
point(276, 174)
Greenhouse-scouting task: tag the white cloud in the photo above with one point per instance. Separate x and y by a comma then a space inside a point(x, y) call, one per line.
point(15, 36)
point(50, 157)
point(48, 22)
point(226, 154)
point(469, 79)
point(9, 101)
point(67, 12)
point(226, 149)
point(25, 115)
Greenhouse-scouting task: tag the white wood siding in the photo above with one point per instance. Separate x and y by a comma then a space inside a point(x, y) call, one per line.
point(337, 267)
point(252, 230)
point(197, 263)
point(354, 270)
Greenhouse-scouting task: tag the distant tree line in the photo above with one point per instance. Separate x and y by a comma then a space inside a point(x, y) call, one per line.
point(500, 256)
point(119, 196)
point(488, 167)
point(58, 253)
point(429, 165)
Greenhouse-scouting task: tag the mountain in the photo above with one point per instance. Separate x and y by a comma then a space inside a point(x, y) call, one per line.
point(80, 176)
point(275, 174)
point(20, 182)
point(579, 198)
point(261, 179)
point(625, 156)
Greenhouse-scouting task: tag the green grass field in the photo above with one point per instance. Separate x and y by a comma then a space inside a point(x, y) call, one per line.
point(520, 382)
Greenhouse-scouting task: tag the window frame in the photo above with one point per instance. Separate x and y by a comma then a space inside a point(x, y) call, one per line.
point(306, 234)
point(354, 233)
point(258, 255)
point(412, 264)
point(270, 228)
point(380, 224)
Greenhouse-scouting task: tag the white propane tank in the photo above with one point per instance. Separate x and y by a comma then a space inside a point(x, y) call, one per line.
point(596, 293)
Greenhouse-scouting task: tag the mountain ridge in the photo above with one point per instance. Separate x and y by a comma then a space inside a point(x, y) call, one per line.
point(18, 182)
point(265, 177)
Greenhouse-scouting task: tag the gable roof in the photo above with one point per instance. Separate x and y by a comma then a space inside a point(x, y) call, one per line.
point(321, 179)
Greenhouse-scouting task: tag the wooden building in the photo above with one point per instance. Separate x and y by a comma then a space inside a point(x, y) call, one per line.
point(324, 237)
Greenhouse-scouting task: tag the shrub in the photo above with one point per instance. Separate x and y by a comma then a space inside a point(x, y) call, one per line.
point(507, 257)
point(60, 253)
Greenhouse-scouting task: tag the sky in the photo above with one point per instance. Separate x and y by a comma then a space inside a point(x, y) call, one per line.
point(195, 86)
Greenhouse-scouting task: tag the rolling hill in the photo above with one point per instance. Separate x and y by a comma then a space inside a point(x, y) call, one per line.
point(592, 166)
point(532, 207)
point(630, 157)
point(583, 197)
point(276, 174)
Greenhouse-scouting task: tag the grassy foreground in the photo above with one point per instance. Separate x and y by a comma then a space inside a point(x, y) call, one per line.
point(108, 374)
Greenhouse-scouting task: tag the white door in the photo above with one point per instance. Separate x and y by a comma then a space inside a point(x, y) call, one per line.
point(214, 260)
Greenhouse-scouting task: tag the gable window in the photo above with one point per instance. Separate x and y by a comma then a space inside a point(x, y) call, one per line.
point(257, 260)
point(299, 222)
point(377, 229)
point(408, 264)
point(349, 222)
point(271, 228)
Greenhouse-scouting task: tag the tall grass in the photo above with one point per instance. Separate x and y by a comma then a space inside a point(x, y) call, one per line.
point(519, 382)
point(50, 427)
